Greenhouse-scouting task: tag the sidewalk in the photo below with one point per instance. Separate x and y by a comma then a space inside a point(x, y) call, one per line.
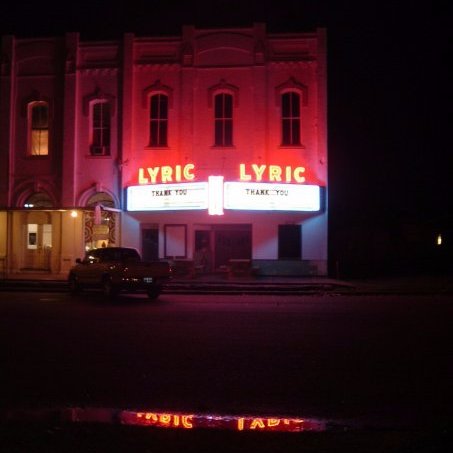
point(415, 284)
point(212, 284)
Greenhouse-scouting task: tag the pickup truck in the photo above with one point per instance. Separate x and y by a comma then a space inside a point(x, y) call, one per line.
point(115, 269)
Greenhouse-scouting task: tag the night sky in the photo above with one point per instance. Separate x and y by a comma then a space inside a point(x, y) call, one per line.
point(389, 91)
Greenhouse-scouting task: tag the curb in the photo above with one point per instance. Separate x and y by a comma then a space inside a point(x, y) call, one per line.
point(191, 287)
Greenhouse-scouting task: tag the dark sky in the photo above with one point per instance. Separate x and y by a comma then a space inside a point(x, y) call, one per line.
point(389, 88)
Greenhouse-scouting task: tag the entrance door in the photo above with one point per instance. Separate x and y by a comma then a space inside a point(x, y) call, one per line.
point(150, 244)
point(234, 242)
point(216, 245)
point(38, 246)
point(203, 251)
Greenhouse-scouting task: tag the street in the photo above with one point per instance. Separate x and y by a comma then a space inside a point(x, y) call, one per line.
point(377, 369)
point(356, 361)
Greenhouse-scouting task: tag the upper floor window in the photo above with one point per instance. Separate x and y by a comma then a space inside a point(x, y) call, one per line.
point(290, 108)
point(223, 111)
point(38, 121)
point(158, 128)
point(100, 129)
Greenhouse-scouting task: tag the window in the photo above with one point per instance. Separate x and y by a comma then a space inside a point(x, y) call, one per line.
point(100, 129)
point(223, 106)
point(175, 241)
point(32, 234)
point(290, 105)
point(158, 120)
point(39, 236)
point(38, 128)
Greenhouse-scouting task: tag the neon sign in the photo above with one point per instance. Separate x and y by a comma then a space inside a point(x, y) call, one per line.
point(166, 174)
point(285, 191)
point(247, 173)
point(273, 172)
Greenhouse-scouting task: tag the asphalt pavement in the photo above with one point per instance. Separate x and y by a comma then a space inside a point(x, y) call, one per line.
point(82, 429)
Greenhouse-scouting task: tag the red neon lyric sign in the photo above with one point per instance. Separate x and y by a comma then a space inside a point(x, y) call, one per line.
point(178, 173)
point(247, 173)
point(273, 173)
point(236, 423)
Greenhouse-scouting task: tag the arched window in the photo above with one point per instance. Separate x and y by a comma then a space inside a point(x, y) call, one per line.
point(290, 120)
point(223, 112)
point(38, 128)
point(38, 200)
point(100, 223)
point(100, 129)
point(102, 198)
point(158, 127)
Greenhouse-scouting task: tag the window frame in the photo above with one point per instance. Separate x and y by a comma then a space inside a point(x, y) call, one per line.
point(158, 122)
point(291, 118)
point(31, 128)
point(223, 120)
point(291, 85)
point(100, 149)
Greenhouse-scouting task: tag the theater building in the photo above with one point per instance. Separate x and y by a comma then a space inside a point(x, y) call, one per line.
point(207, 148)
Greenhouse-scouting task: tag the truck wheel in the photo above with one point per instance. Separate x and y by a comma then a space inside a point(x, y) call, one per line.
point(74, 286)
point(108, 288)
point(154, 292)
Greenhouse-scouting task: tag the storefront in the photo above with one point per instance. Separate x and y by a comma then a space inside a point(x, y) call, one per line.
point(277, 226)
point(42, 241)
point(208, 148)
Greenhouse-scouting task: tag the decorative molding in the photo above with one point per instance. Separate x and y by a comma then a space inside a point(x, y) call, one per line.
point(94, 189)
point(142, 67)
point(35, 96)
point(155, 88)
point(98, 95)
point(28, 187)
point(292, 85)
point(223, 87)
point(98, 71)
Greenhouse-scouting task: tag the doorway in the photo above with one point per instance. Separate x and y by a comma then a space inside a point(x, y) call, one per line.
point(37, 246)
point(223, 243)
point(150, 244)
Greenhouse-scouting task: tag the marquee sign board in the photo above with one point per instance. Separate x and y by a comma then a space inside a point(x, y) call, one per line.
point(218, 195)
point(271, 197)
point(168, 197)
